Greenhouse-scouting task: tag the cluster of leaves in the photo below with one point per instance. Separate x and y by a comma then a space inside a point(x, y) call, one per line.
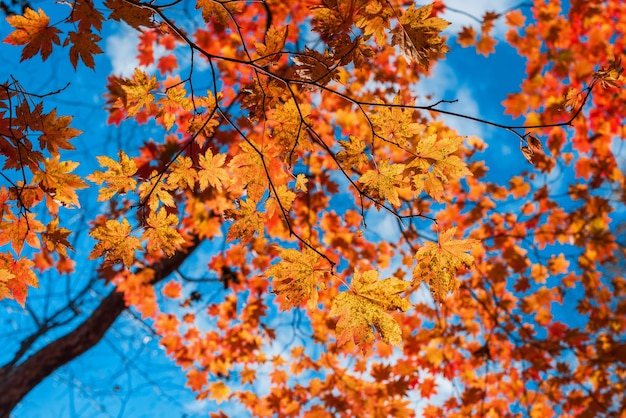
point(280, 135)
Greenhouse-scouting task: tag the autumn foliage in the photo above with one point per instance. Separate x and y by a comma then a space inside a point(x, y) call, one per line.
point(284, 126)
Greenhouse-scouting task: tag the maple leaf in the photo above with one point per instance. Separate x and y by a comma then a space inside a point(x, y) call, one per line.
point(417, 35)
point(572, 99)
point(202, 126)
point(182, 174)
point(212, 171)
point(55, 180)
point(15, 277)
point(84, 46)
point(284, 198)
point(395, 124)
point(353, 154)
point(611, 75)
point(315, 67)
point(248, 221)
point(212, 9)
point(32, 30)
point(301, 181)
point(115, 242)
point(85, 13)
point(438, 263)
point(219, 392)
point(19, 230)
point(435, 164)
point(467, 36)
point(133, 15)
point(56, 133)
point(296, 277)
point(155, 190)
point(118, 178)
point(274, 44)
point(172, 289)
point(290, 129)
point(175, 101)
point(374, 19)
point(196, 379)
point(137, 92)
point(160, 234)
point(364, 307)
point(55, 238)
point(384, 181)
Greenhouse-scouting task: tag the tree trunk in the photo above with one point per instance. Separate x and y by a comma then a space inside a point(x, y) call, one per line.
point(17, 381)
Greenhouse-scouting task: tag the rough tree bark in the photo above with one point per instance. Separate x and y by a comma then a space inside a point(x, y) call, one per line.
point(17, 380)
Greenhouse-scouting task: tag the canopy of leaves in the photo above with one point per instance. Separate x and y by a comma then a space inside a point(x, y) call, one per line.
point(279, 130)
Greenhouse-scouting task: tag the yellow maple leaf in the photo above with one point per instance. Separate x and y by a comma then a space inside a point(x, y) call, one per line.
point(55, 180)
point(395, 124)
point(417, 35)
point(118, 178)
point(290, 129)
point(364, 307)
point(438, 263)
point(353, 154)
point(137, 92)
point(182, 174)
point(160, 234)
point(115, 242)
point(155, 190)
point(212, 171)
point(284, 199)
point(274, 44)
point(384, 181)
point(296, 278)
point(248, 221)
point(174, 101)
point(219, 392)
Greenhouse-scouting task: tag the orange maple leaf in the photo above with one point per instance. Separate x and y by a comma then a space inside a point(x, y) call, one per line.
point(219, 392)
point(55, 238)
point(56, 133)
point(161, 232)
point(32, 30)
point(248, 221)
point(118, 178)
point(115, 242)
point(15, 277)
point(56, 180)
point(385, 181)
point(274, 44)
point(84, 46)
point(364, 307)
point(296, 277)
point(212, 171)
point(417, 35)
point(19, 230)
point(172, 289)
point(155, 190)
point(439, 262)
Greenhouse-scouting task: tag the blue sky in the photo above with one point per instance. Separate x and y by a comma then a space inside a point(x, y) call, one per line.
point(128, 374)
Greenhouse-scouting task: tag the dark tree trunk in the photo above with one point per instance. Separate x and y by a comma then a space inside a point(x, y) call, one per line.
point(18, 380)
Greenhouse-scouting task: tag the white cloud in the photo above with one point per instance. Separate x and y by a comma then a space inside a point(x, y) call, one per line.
point(121, 49)
point(443, 84)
